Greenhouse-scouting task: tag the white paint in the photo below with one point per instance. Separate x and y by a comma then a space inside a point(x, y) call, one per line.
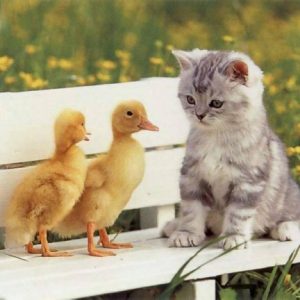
point(156, 216)
point(27, 117)
point(149, 263)
point(205, 289)
point(159, 186)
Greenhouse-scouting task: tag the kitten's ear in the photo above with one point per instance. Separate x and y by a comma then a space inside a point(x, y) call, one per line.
point(237, 71)
point(184, 59)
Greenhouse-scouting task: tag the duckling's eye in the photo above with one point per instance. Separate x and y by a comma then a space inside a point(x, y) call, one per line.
point(216, 103)
point(190, 100)
point(129, 113)
point(82, 124)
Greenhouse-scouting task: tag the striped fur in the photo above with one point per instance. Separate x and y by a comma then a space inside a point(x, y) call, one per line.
point(235, 176)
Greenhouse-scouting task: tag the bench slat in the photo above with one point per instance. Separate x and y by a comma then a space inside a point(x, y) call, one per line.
point(26, 131)
point(82, 275)
point(159, 186)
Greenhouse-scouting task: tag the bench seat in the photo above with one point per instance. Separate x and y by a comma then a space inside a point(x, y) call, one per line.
point(149, 263)
point(26, 138)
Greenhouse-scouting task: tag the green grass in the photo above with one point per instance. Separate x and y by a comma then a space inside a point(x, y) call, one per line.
point(279, 282)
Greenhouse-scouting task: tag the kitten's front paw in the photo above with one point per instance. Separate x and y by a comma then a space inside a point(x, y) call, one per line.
point(286, 231)
point(185, 239)
point(233, 241)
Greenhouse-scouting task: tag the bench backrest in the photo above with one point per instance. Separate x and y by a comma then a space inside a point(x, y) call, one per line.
point(26, 133)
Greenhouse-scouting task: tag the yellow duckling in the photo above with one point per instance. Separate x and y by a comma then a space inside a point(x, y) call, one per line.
point(111, 180)
point(50, 191)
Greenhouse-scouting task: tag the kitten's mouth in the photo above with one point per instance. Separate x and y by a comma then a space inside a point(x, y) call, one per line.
point(202, 122)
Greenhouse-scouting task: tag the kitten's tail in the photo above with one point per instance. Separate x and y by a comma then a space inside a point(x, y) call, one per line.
point(169, 228)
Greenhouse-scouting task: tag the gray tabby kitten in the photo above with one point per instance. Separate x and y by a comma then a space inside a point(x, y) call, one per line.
point(235, 177)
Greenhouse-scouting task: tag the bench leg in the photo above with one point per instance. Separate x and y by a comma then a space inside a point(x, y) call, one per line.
point(197, 290)
point(156, 216)
point(205, 289)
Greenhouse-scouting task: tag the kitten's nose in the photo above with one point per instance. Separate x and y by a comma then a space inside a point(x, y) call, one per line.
point(201, 116)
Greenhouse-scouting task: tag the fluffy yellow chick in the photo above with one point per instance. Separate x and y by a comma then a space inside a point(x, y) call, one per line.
point(50, 191)
point(111, 179)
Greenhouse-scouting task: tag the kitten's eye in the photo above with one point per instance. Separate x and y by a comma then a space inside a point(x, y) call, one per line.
point(216, 103)
point(190, 100)
point(129, 113)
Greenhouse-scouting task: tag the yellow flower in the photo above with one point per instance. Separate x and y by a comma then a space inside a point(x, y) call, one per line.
point(33, 83)
point(273, 89)
point(30, 49)
point(297, 170)
point(156, 60)
point(268, 79)
point(297, 129)
point(124, 78)
point(5, 62)
point(103, 77)
point(106, 64)
point(80, 80)
point(91, 79)
point(25, 76)
point(169, 47)
point(52, 62)
point(228, 39)
point(65, 64)
point(169, 70)
point(9, 80)
point(287, 280)
point(291, 83)
point(297, 150)
point(38, 83)
point(280, 108)
point(290, 151)
point(123, 55)
point(124, 63)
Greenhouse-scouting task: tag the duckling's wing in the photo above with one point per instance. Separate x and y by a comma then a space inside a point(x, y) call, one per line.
point(96, 173)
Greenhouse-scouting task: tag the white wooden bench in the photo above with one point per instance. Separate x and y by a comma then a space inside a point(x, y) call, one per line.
point(26, 137)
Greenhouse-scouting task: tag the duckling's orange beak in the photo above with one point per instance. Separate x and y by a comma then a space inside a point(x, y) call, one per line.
point(147, 125)
point(86, 138)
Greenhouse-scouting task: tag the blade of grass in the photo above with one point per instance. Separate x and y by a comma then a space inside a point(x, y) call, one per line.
point(212, 259)
point(206, 245)
point(235, 279)
point(295, 287)
point(178, 279)
point(285, 270)
point(257, 276)
point(271, 279)
point(295, 292)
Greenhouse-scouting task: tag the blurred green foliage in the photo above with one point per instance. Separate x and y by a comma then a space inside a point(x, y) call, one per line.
point(53, 43)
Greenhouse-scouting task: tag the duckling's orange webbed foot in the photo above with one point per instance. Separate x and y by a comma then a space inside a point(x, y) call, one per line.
point(99, 253)
point(46, 252)
point(91, 247)
point(31, 250)
point(55, 254)
point(106, 243)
